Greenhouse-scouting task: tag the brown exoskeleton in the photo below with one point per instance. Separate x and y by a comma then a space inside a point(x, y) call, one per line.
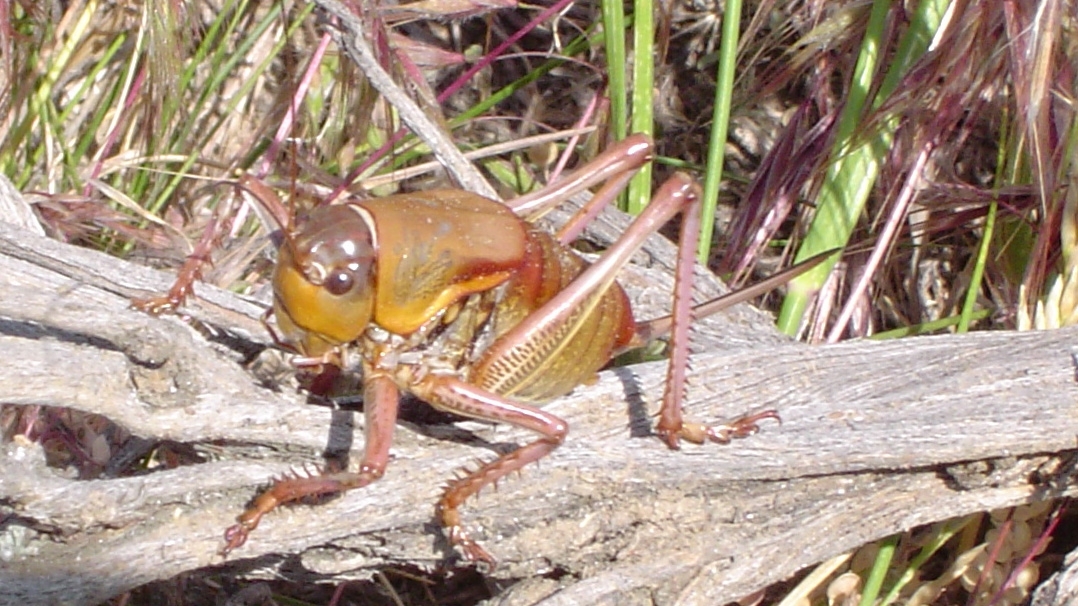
point(463, 303)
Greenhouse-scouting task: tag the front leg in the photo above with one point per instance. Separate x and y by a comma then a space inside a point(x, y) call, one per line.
point(380, 403)
point(456, 396)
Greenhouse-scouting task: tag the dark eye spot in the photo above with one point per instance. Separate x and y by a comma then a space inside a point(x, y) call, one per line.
point(340, 282)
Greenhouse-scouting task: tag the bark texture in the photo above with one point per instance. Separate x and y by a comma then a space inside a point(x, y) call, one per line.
point(876, 438)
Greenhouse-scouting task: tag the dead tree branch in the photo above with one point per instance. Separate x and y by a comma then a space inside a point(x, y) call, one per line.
point(876, 438)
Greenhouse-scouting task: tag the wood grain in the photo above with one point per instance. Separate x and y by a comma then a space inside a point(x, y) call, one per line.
point(876, 438)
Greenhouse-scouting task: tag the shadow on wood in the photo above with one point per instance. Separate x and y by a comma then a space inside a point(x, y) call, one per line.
point(876, 438)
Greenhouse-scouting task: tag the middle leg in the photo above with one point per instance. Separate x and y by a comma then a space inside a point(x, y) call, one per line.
point(458, 397)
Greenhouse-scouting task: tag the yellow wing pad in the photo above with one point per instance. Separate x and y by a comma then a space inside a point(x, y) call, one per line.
point(437, 247)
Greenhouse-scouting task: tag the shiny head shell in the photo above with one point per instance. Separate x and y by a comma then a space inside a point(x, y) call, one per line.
point(323, 283)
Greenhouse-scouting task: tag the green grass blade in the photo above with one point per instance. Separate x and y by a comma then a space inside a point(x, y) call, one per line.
point(856, 160)
point(575, 46)
point(226, 66)
point(720, 123)
point(970, 301)
point(614, 39)
point(928, 327)
point(879, 570)
point(943, 534)
point(643, 98)
point(87, 139)
point(41, 105)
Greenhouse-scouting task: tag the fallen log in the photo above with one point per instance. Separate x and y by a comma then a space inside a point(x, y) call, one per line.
point(876, 438)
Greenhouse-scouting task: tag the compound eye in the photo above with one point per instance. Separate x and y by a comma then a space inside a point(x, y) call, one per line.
point(340, 282)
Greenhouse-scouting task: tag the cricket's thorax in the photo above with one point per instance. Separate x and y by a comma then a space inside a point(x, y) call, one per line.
point(455, 340)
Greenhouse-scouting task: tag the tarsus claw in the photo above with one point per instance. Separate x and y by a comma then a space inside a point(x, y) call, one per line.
point(741, 428)
point(235, 537)
point(698, 433)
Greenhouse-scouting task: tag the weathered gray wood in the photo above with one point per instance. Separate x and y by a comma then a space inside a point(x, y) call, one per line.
point(93, 279)
point(1061, 587)
point(14, 209)
point(876, 438)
